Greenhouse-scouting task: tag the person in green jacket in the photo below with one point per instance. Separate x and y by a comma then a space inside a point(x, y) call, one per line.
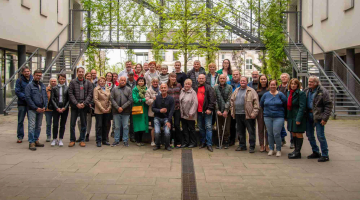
point(141, 124)
point(296, 122)
point(226, 70)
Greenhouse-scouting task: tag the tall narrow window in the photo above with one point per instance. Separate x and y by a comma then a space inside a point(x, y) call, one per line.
point(44, 8)
point(324, 6)
point(249, 63)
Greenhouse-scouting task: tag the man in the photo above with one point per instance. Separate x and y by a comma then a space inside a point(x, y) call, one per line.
point(36, 99)
point(131, 83)
point(285, 77)
point(319, 107)
point(223, 93)
point(254, 84)
point(21, 83)
point(206, 105)
point(164, 75)
point(48, 112)
point(128, 68)
point(235, 83)
point(94, 77)
point(163, 108)
point(121, 99)
point(152, 73)
point(146, 67)
point(245, 108)
point(194, 74)
point(180, 75)
point(80, 95)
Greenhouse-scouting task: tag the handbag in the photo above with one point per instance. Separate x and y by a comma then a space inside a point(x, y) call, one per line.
point(137, 110)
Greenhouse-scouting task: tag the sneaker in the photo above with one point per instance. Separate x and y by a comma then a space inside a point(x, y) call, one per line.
point(314, 155)
point(32, 146)
point(48, 138)
point(126, 144)
point(114, 144)
point(152, 144)
point(71, 144)
point(271, 152)
point(251, 150)
point(168, 148)
point(323, 159)
point(138, 144)
point(38, 144)
point(54, 142)
point(82, 144)
point(61, 144)
point(278, 154)
point(19, 140)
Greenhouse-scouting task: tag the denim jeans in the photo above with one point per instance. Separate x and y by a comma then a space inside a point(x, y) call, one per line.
point(22, 111)
point(34, 123)
point(205, 128)
point(157, 125)
point(274, 126)
point(49, 117)
point(320, 132)
point(121, 123)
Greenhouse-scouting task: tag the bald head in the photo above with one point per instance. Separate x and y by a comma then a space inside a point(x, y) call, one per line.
point(222, 79)
point(122, 81)
point(201, 79)
point(53, 82)
point(163, 89)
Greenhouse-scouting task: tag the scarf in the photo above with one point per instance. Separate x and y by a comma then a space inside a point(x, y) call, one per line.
point(142, 91)
point(156, 89)
point(289, 104)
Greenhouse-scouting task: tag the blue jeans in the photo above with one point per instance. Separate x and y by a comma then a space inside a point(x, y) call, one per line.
point(157, 126)
point(274, 126)
point(121, 121)
point(48, 116)
point(205, 128)
point(22, 111)
point(320, 133)
point(35, 121)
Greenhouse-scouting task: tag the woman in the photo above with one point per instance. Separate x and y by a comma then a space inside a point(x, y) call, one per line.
point(188, 109)
point(273, 104)
point(212, 76)
point(296, 122)
point(102, 111)
point(109, 80)
point(262, 89)
point(48, 111)
point(174, 89)
point(158, 68)
point(60, 105)
point(225, 70)
point(115, 79)
point(141, 121)
point(138, 71)
point(89, 114)
point(150, 95)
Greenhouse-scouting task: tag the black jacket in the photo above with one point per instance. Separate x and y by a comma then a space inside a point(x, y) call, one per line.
point(191, 75)
point(210, 98)
point(74, 92)
point(208, 78)
point(20, 86)
point(168, 103)
point(180, 78)
point(54, 103)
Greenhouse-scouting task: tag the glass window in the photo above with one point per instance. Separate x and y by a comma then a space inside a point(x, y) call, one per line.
point(249, 63)
point(223, 56)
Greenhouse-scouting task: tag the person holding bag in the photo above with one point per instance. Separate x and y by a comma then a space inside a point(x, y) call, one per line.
point(140, 110)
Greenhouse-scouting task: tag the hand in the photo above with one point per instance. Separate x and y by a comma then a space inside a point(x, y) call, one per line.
point(168, 124)
point(147, 98)
point(82, 105)
point(163, 110)
point(78, 105)
point(252, 116)
point(63, 109)
point(154, 98)
point(59, 110)
point(208, 112)
point(120, 109)
point(39, 110)
point(219, 113)
point(298, 123)
point(225, 114)
point(323, 122)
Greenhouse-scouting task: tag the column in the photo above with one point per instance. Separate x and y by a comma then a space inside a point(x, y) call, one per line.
point(350, 61)
point(329, 62)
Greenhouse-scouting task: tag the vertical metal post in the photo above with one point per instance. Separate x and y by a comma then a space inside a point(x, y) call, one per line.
point(72, 25)
point(2, 103)
point(300, 23)
point(110, 21)
point(251, 17)
point(88, 31)
point(259, 21)
point(117, 22)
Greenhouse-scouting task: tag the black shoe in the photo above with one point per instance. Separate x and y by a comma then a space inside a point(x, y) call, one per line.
point(296, 155)
point(78, 140)
point(126, 144)
point(132, 140)
point(191, 146)
point(323, 159)
point(183, 146)
point(106, 143)
point(87, 138)
point(210, 148)
point(241, 149)
point(98, 144)
point(226, 146)
point(168, 148)
point(156, 148)
point(202, 146)
point(251, 150)
point(314, 155)
point(217, 147)
point(115, 144)
point(177, 147)
point(289, 154)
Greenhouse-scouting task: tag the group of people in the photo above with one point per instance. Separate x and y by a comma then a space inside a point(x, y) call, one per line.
point(173, 103)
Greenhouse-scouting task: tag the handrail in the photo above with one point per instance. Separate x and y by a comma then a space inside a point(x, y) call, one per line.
point(347, 89)
point(18, 70)
point(347, 67)
point(57, 37)
point(291, 39)
point(313, 39)
point(10, 103)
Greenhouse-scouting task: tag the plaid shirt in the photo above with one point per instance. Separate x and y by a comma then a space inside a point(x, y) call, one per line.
point(175, 93)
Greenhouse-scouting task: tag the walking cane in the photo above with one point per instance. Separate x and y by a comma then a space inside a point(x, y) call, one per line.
point(222, 139)
point(217, 127)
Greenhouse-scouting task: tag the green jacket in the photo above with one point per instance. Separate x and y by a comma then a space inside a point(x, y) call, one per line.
point(141, 122)
point(223, 96)
point(220, 72)
point(296, 114)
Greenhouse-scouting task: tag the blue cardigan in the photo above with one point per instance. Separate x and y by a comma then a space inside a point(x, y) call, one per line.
point(274, 106)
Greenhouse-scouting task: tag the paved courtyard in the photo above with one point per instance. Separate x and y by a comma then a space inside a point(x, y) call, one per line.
point(140, 173)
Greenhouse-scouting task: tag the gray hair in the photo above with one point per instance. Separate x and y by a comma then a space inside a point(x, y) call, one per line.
point(188, 81)
point(164, 67)
point(154, 79)
point(197, 61)
point(316, 79)
point(52, 79)
point(286, 74)
point(247, 80)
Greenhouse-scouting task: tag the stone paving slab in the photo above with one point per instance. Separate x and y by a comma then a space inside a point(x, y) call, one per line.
point(140, 173)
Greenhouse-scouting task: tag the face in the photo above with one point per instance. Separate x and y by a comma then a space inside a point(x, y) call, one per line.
point(37, 76)
point(146, 66)
point(272, 86)
point(201, 79)
point(187, 86)
point(163, 88)
point(141, 82)
point(88, 77)
point(255, 75)
point(115, 77)
point(243, 82)
point(138, 68)
point(164, 70)
point(293, 85)
point(128, 66)
point(222, 79)
point(131, 77)
point(155, 83)
point(53, 82)
point(263, 81)
point(172, 79)
point(26, 73)
point(122, 82)
point(177, 66)
point(312, 83)
point(109, 77)
point(284, 78)
point(158, 68)
point(212, 69)
point(152, 67)
point(80, 73)
point(197, 65)
point(236, 76)
point(101, 82)
point(93, 74)
point(62, 80)
point(226, 64)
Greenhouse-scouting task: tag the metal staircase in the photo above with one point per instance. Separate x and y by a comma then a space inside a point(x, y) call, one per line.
point(346, 104)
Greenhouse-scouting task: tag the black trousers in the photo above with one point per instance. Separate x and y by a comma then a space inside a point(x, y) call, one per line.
point(138, 136)
point(56, 115)
point(102, 126)
point(242, 124)
point(75, 112)
point(232, 131)
point(189, 137)
point(176, 135)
